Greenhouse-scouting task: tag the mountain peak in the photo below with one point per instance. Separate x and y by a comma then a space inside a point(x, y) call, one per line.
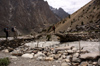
point(59, 12)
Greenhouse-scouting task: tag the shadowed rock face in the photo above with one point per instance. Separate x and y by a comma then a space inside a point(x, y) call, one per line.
point(27, 15)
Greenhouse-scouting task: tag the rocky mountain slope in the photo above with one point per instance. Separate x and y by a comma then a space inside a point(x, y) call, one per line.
point(59, 12)
point(26, 15)
point(86, 18)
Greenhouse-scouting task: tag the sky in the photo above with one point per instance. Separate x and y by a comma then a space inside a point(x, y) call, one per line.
point(69, 6)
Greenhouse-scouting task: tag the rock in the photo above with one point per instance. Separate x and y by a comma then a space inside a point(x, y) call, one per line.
point(34, 51)
point(90, 65)
point(62, 48)
point(16, 53)
point(27, 55)
point(60, 52)
point(64, 64)
point(39, 54)
point(84, 51)
point(57, 56)
point(89, 56)
point(69, 57)
point(70, 51)
point(76, 55)
point(84, 64)
point(49, 58)
point(48, 54)
point(13, 57)
point(10, 49)
point(6, 50)
point(52, 55)
point(75, 64)
point(99, 61)
point(40, 58)
point(67, 60)
point(77, 60)
point(95, 63)
point(63, 56)
point(74, 49)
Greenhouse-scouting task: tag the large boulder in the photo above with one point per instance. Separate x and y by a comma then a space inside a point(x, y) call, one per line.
point(92, 56)
point(16, 53)
point(28, 55)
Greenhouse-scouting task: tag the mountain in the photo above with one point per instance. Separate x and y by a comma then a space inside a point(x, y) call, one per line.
point(59, 12)
point(26, 15)
point(86, 18)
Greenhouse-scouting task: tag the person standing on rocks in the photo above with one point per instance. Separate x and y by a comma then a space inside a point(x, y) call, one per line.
point(14, 30)
point(6, 30)
point(53, 28)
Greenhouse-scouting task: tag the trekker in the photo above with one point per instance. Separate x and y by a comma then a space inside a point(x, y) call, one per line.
point(53, 28)
point(14, 30)
point(6, 32)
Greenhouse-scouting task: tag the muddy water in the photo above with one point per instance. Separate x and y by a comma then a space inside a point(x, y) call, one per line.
point(86, 45)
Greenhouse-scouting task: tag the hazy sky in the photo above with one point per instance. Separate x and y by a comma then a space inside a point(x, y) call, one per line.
point(69, 6)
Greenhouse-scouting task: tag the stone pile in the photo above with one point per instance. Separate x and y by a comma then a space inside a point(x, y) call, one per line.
point(67, 56)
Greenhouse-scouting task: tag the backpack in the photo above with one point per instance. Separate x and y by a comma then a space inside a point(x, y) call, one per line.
point(53, 28)
point(13, 30)
point(5, 29)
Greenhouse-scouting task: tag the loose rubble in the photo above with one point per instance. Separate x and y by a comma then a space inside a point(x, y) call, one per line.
point(68, 55)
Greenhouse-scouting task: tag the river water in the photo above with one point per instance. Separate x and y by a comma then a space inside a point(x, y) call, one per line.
point(86, 45)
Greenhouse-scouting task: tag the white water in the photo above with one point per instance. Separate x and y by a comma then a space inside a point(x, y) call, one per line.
point(87, 45)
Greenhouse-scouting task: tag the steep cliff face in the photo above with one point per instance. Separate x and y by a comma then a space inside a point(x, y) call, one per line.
point(26, 15)
point(59, 12)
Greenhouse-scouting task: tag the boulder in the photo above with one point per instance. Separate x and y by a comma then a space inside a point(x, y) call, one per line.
point(76, 55)
point(6, 50)
point(70, 51)
point(49, 58)
point(67, 60)
point(39, 54)
point(63, 56)
point(90, 64)
point(69, 57)
point(94, 63)
point(75, 64)
point(13, 57)
point(84, 64)
point(91, 56)
point(10, 49)
point(74, 49)
point(57, 56)
point(60, 52)
point(40, 58)
point(76, 60)
point(62, 48)
point(16, 53)
point(28, 55)
point(64, 64)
